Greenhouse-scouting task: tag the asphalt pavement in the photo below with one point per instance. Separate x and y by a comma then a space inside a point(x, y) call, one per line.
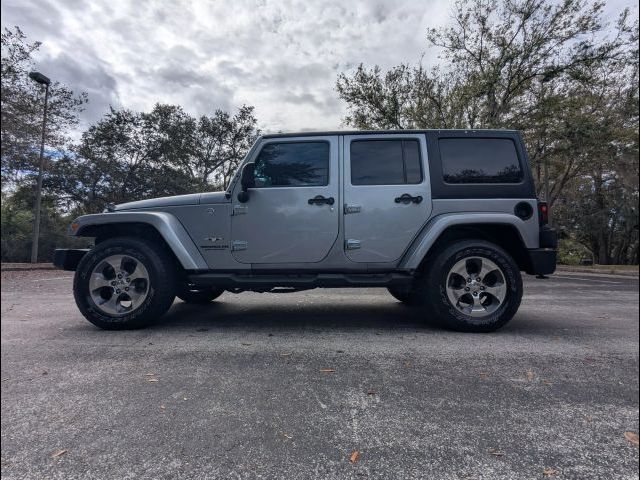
point(293, 385)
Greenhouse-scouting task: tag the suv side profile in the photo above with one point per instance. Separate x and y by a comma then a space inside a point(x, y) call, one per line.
point(446, 220)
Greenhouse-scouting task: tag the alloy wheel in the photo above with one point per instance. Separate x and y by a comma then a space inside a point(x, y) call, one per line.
point(476, 286)
point(119, 284)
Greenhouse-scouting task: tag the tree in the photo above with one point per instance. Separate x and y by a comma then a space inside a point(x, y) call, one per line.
point(221, 142)
point(22, 104)
point(131, 155)
point(126, 156)
point(553, 70)
point(17, 227)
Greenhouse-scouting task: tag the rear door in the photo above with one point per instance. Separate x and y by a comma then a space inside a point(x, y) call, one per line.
point(387, 194)
point(292, 215)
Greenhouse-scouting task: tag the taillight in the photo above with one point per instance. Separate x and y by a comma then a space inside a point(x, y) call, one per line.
point(543, 213)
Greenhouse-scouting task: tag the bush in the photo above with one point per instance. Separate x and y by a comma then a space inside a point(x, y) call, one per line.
point(571, 252)
point(17, 229)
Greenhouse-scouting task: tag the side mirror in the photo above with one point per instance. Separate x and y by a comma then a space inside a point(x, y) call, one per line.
point(247, 181)
point(247, 178)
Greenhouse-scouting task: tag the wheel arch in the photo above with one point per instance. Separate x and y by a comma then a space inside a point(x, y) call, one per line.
point(153, 226)
point(506, 231)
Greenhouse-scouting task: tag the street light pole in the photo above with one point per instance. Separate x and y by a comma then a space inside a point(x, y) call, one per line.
point(41, 79)
point(547, 191)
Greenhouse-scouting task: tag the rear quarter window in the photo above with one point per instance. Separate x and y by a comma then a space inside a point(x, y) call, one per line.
point(480, 161)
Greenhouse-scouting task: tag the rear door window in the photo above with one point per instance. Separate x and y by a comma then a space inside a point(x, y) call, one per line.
point(480, 160)
point(385, 162)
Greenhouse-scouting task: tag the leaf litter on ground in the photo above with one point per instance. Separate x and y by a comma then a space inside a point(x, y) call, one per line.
point(631, 437)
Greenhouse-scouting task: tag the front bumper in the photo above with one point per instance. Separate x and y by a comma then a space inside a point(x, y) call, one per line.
point(68, 258)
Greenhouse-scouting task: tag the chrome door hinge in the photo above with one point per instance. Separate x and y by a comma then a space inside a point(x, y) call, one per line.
point(239, 209)
point(352, 244)
point(352, 208)
point(238, 245)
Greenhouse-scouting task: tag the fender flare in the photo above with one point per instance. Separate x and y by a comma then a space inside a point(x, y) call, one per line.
point(436, 226)
point(166, 224)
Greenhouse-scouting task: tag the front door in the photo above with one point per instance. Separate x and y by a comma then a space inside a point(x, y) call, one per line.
point(387, 194)
point(292, 215)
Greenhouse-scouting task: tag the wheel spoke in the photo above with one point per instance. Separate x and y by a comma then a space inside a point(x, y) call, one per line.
point(138, 272)
point(477, 305)
point(486, 268)
point(460, 268)
point(457, 293)
point(499, 291)
point(115, 262)
point(111, 305)
point(136, 296)
point(98, 280)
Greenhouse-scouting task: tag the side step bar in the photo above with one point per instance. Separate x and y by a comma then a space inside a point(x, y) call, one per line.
point(326, 280)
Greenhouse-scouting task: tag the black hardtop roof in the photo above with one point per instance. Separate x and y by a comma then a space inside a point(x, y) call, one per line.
point(378, 132)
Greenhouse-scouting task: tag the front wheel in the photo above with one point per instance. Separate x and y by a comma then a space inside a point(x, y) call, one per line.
point(472, 286)
point(124, 283)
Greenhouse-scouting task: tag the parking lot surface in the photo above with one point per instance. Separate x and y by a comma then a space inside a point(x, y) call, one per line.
point(292, 385)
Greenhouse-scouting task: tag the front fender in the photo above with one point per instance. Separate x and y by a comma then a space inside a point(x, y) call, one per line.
point(437, 225)
point(166, 224)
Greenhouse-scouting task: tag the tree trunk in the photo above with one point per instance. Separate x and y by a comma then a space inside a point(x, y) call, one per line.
point(601, 237)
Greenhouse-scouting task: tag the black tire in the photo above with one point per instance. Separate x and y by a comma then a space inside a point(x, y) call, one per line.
point(199, 296)
point(403, 294)
point(162, 274)
point(431, 292)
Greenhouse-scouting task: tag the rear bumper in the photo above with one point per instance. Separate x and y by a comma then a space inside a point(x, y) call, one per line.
point(548, 237)
point(68, 258)
point(542, 261)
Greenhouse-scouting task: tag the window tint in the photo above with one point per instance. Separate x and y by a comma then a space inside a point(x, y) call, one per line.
point(412, 161)
point(302, 164)
point(385, 162)
point(479, 160)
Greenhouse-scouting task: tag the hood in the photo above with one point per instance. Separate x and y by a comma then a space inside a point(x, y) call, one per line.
point(177, 200)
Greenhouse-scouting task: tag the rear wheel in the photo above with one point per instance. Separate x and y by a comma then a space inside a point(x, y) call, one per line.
point(472, 286)
point(124, 283)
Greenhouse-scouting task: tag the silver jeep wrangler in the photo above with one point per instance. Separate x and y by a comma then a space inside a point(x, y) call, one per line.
point(444, 219)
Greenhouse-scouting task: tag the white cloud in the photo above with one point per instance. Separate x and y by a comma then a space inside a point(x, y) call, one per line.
point(282, 57)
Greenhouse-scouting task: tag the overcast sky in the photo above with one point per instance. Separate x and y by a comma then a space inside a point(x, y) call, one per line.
point(283, 57)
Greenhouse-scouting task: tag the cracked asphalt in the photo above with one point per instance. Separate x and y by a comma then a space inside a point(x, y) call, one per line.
point(290, 385)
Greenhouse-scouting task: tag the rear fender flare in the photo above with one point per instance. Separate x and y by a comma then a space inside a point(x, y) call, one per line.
point(422, 244)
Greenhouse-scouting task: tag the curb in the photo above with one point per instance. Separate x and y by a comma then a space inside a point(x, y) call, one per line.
point(601, 271)
point(23, 267)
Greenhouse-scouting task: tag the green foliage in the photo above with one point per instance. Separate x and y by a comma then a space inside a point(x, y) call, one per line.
point(553, 70)
point(125, 156)
point(22, 106)
point(17, 228)
point(135, 155)
point(570, 252)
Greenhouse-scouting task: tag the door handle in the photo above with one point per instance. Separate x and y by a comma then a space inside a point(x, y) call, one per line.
point(406, 199)
point(319, 200)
